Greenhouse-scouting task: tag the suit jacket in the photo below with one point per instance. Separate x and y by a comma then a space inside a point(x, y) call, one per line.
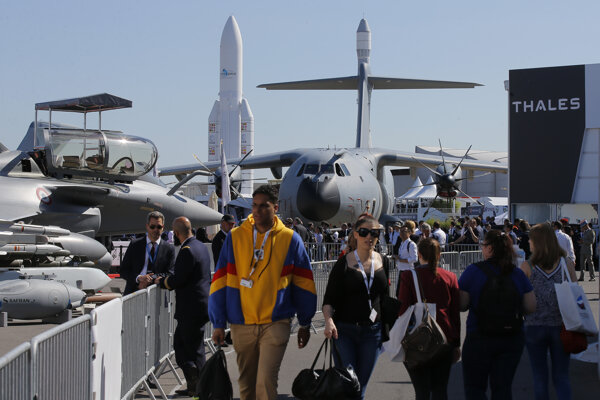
point(217, 244)
point(588, 240)
point(191, 281)
point(135, 256)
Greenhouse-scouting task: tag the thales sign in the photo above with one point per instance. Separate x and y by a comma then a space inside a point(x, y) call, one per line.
point(560, 104)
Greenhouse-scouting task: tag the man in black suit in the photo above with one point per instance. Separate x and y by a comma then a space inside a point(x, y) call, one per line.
point(191, 282)
point(147, 256)
point(302, 231)
point(227, 224)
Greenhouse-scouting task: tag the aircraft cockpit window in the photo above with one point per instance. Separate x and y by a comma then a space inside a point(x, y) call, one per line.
point(301, 170)
point(326, 169)
point(346, 172)
point(338, 170)
point(311, 169)
point(101, 154)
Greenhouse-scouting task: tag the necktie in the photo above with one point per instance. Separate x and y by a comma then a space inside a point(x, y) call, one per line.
point(153, 250)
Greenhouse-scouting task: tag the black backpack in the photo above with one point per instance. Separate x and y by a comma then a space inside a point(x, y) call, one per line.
point(213, 379)
point(499, 312)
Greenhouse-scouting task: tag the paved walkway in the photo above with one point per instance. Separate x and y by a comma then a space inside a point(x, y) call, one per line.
point(391, 381)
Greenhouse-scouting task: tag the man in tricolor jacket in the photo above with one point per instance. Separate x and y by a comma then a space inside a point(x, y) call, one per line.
point(262, 280)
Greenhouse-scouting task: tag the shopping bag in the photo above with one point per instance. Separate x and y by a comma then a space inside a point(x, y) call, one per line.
point(573, 342)
point(573, 304)
point(213, 379)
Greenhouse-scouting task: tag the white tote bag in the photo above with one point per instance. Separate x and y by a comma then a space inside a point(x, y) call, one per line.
point(573, 304)
point(393, 347)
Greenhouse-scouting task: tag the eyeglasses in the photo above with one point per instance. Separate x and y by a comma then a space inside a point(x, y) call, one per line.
point(155, 226)
point(363, 232)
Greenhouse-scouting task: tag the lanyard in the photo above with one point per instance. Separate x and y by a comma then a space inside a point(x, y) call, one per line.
point(258, 254)
point(369, 283)
point(148, 249)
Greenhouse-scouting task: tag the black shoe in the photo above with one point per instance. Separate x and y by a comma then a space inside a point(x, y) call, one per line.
point(580, 278)
point(592, 279)
point(183, 392)
point(151, 385)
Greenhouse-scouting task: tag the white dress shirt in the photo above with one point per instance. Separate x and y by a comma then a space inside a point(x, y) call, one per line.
point(566, 243)
point(407, 251)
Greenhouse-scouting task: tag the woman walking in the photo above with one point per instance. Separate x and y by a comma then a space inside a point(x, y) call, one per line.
point(440, 287)
point(546, 267)
point(352, 304)
point(495, 339)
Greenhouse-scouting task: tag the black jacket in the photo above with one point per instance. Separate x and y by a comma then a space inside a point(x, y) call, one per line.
point(135, 257)
point(217, 244)
point(191, 281)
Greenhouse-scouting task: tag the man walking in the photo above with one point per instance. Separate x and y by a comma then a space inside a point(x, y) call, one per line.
point(191, 282)
point(262, 280)
point(147, 257)
point(586, 252)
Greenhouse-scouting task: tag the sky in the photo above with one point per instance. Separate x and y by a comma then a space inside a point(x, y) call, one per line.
point(164, 56)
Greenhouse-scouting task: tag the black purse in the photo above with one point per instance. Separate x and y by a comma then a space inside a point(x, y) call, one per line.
point(326, 384)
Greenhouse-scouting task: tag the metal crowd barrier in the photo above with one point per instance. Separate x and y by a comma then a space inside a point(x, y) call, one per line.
point(15, 367)
point(469, 257)
point(133, 344)
point(61, 361)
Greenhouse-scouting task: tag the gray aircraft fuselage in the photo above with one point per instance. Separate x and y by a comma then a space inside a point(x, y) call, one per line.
point(322, 185)
point(87, 206)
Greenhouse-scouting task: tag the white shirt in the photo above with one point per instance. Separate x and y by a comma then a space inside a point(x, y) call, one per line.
point(440, 236)
point(407, 251)
point(566, 243)
point(395, 236)
point(147, 253)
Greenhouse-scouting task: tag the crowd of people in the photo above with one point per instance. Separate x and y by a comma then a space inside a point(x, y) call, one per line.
point(263, 278)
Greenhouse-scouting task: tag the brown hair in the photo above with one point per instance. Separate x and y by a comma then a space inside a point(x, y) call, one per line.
point(502, 250)
point(430, 251)
point(363, 219)
point(546, 250)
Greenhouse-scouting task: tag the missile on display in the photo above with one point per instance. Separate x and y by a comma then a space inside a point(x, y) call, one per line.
point(36, 298)
point(89, 280)
point(231, 119)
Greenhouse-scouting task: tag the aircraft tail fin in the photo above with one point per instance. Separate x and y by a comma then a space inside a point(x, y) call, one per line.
point(3, 148)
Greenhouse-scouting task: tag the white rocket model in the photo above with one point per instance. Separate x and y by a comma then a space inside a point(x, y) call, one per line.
point(231, 119)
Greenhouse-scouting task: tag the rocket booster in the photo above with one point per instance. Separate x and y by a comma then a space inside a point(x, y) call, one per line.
point(231, 119)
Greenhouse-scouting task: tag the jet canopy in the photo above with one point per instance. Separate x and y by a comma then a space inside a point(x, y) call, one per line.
point(98, 153)
point(94, 153)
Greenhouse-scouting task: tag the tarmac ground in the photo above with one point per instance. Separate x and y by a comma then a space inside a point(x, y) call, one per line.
point(389, 380)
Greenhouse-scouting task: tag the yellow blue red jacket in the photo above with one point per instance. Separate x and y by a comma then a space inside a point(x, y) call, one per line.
point(282, 282)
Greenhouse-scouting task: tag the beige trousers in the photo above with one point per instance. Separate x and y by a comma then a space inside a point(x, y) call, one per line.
point(260, 350)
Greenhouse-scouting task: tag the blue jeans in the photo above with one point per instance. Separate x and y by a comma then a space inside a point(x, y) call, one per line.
point(359, 346)
point(490, 357)
point(539, 341)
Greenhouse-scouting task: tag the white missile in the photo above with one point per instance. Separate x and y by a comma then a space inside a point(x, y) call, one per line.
point(231, 119)
point(87, 279)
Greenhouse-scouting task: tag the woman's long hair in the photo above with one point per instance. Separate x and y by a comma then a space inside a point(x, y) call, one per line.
point(546, 250)
point(430, 251)
point(502, 250)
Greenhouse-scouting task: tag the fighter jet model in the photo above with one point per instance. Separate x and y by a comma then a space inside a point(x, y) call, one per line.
point(339, 185)
point(90, 181)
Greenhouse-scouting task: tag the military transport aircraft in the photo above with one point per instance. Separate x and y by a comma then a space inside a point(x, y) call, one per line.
point(337, 185)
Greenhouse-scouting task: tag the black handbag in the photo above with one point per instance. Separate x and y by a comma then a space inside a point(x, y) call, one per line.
point(213, 379)
point(326, 384)
point(427, 342)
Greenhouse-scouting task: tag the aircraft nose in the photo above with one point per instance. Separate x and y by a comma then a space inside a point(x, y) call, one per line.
point(318, 200)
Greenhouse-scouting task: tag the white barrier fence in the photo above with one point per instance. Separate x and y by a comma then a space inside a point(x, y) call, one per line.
point(84, 358)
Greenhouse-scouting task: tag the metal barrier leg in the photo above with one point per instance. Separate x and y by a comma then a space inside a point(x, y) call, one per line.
point(170, 363)
point(158, 386)
point(148, 390)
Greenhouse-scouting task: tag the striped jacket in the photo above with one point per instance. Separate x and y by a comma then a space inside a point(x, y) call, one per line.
point(282, 282)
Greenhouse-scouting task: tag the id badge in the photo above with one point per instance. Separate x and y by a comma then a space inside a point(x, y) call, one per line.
point(373, 315)
point(246, 283)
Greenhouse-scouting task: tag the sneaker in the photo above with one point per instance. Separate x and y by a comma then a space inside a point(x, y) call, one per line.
point(592, 279)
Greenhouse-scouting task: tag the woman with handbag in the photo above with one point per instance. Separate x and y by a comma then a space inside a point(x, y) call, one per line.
point(544, 269)
point(497, 295)
point(352, 304)
point(439, 286)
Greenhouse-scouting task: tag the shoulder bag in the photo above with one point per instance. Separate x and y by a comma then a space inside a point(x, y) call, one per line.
point(427, 342)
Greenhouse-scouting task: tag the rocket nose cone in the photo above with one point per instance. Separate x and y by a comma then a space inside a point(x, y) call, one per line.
point(363, 26)
point(231, 31)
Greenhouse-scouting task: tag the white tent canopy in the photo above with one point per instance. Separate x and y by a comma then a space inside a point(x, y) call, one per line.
point(415, 188)
point(427, 192)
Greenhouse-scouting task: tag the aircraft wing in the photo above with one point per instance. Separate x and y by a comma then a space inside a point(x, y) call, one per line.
point(280, 159)
point(404, 159)
point(351, 83)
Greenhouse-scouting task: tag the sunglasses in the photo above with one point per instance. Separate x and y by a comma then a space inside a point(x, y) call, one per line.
point(363, 232)
point(155, 226)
